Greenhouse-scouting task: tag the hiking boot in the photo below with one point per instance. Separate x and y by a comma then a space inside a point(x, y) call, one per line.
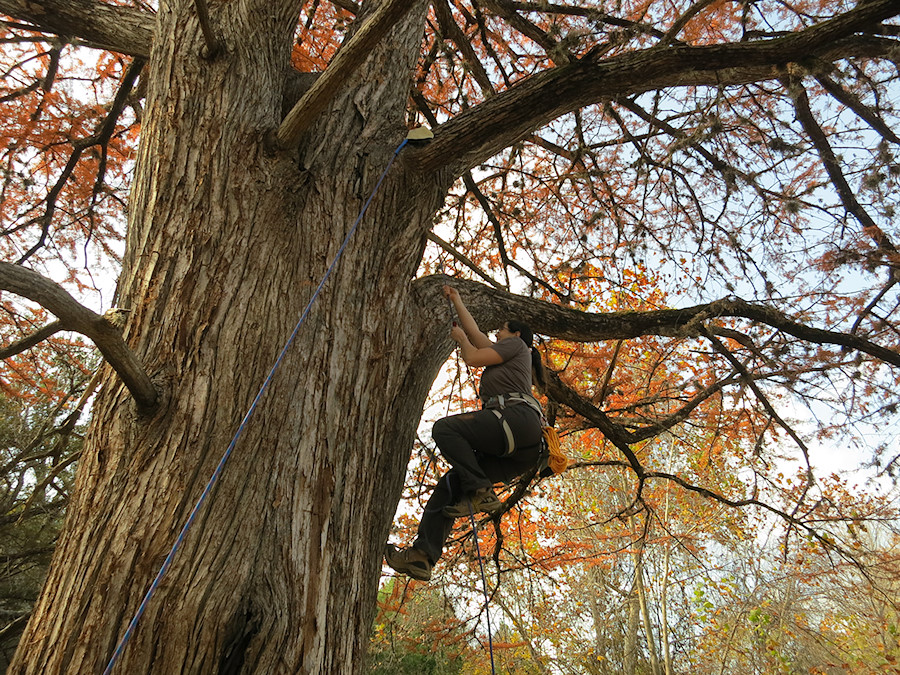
point(409, 561)
point(481, 501)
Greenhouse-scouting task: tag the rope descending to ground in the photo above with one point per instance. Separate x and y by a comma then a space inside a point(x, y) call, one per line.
point(487, 611)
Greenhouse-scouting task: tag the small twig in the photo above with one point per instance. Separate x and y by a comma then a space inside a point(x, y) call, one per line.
point(761, 397)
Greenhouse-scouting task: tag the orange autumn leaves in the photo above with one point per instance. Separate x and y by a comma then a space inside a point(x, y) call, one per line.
point(53, 98)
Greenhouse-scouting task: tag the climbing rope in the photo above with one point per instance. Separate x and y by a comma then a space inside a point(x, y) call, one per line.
point(120, 648)
point(487, 600)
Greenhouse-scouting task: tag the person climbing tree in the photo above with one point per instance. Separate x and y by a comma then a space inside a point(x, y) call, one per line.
point(495, 444)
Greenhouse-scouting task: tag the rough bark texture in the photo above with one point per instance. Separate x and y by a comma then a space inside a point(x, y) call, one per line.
point(120, 29)
point(226, 245)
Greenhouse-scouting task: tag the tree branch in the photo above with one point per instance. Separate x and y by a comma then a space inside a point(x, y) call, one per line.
point(213, 43)
point(491, 306)
point(838, 180)
point(479, 133)
point(348, 58)
point(119, 29)
point(525, 27)
point(613, 431)
point(432, 237)
point(769, 408)
point(863, 111)
point(80, 319)
point(30, 341)
point(346, 5)
point(451, 31)
point(100, 137)
point(472, 187)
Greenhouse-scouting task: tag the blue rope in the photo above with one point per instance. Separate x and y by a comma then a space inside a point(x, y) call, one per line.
point(218, 472)
point(487, 611)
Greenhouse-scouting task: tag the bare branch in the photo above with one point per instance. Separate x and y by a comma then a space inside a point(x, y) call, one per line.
point(54, 471)
point(348, 58)
point(432, 237)
point(763, 399)
point(346, 5)
point(213, 43)
point(874, 303)
point(30, 341)
point(454, 33)
point(80, 319)
point(683, 21)
point(525, 27)
point(119, 29)
point(498, 235)
point(852, 101)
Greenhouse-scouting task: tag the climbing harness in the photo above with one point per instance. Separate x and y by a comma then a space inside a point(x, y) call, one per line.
point(496, 404)
point(120, 648)
point(487, 600)
point(553, 459)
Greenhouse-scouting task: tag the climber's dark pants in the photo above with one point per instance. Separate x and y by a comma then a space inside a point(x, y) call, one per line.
point(474, 444)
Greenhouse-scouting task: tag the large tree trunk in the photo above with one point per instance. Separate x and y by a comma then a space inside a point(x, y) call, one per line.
point(226, 245)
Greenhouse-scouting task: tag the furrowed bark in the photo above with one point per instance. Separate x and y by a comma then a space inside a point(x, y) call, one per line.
point(349, 57)
point(119, 29)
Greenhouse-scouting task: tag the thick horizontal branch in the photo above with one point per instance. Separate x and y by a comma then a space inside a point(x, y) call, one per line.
point(348, 58)
point(491, 307)
point(97, 24)
point(76, 317)
point(480, 132)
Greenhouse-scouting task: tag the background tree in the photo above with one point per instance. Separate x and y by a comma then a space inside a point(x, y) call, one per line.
point(40, 442)
point(744, 150)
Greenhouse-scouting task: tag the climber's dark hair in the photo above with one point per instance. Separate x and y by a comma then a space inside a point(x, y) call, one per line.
point(537, 367)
